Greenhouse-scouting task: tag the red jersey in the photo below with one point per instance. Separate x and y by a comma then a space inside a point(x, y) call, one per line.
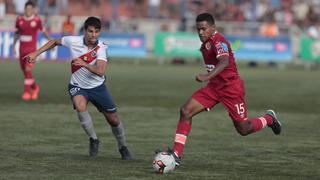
point(217, 46)
point(28, 29)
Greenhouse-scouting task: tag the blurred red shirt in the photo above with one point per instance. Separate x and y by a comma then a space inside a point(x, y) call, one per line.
point(28, 29)
point(217, 46)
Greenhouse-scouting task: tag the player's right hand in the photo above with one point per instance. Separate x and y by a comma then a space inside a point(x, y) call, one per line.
point(202, 77)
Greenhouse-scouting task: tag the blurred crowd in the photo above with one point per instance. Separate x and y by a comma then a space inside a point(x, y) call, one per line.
point(304, 14)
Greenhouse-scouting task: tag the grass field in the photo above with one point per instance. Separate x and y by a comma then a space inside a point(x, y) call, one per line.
point(44, 140)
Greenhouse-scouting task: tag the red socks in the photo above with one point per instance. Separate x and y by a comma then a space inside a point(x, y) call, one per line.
point(184, 128)
point(29, 82)
point(261, 122)
point(182, 132)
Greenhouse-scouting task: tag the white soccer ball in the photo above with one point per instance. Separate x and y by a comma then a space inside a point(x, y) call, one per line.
point(163, 162)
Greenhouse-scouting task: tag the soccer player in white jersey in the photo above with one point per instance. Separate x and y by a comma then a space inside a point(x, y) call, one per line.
point(89, 64)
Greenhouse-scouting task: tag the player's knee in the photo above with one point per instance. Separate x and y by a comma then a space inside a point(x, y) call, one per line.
point(114, 121)
point(81, 106)
point(81, 109)
point(185, 113)
point(112, 118)
point(28, 69)
point(80, 103)
point(243, 129)
point(243, 132)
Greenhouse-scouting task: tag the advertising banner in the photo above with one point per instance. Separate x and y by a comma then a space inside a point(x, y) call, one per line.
point(309, 49)
point(261, 49)
point(244, 48)
point(119, 45)
point(125, 45)
point(177, 45)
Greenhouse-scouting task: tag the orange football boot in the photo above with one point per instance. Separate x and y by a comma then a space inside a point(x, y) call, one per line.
point(35, 93)
point(26, 96)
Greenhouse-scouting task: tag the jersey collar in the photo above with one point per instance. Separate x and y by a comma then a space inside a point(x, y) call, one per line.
point(94, 45)
point(204, 43)
point(28, 18)
point(215, 32)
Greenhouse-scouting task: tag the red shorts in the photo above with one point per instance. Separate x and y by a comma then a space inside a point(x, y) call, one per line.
point(231, 97)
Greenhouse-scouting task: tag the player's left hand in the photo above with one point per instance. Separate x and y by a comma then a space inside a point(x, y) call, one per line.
point(79, 62)
point(31, 58)
point(202, 77)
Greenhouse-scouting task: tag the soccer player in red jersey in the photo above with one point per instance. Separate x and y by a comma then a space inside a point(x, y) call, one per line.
point(27, 27)
point(224, 86)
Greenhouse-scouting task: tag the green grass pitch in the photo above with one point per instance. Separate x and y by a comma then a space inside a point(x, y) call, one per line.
point(44, 140)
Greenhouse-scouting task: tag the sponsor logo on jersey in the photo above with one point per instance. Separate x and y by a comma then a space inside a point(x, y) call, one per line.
point(85, 58)
point(93, 54)
point(33, 24)
point(74, 90)
point(225, 47)
point(25, 38)
point(242, 115)
point(210, 67)
point(221, 48)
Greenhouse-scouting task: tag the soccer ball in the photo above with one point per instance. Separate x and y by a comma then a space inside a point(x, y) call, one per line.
point(163, 162)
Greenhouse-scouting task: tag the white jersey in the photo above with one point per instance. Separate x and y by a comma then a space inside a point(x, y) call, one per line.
point(81, 76)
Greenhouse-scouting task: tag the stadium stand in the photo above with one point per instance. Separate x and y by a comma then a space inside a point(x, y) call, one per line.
point(236, 17)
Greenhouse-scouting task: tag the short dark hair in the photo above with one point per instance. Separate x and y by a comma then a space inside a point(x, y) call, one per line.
point(92, 21)
point(205, 17)
point(29, 3)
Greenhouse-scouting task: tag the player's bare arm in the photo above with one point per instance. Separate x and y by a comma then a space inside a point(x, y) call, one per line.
point(49, 45)
point(15, 39)
point(223, 63)
point(99, 68)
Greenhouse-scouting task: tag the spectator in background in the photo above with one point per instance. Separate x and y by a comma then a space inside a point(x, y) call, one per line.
point(19, 6)
point(105, 23)
point(154, 6)
point(68, 26)
point(246, 7)
point(42, 6)
point(311, 16)
point(52, 7)
point(10, 9)
point(2, 9)
point(262, 7)
point(47, 22)
point(300, 10)
point(285, 14)
point(269, 28)
point(63, 6)
point(94, 6)
point(314, 30)
point(95, 3)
